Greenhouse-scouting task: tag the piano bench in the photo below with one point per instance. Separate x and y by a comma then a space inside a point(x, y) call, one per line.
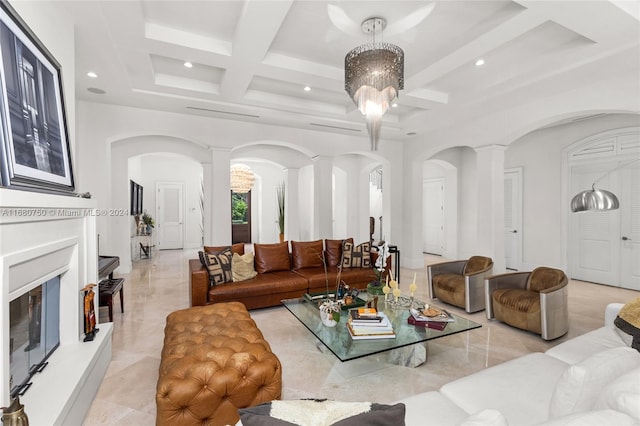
point(107, 288)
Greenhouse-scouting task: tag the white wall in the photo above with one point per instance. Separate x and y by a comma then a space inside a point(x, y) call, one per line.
point(118, 133)
point(540, 155)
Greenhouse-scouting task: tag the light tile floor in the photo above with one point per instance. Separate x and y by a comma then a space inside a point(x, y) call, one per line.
point(159, 286)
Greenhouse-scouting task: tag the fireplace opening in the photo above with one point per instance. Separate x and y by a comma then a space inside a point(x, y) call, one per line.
point(34, 332)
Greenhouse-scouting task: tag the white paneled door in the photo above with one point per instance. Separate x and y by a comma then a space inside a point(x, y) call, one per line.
point(513, 219)
point(170, 215)
point(630, 228)
point(605, 245)
point(433, 221)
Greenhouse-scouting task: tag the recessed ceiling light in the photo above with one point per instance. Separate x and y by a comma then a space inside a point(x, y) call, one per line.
point(188, 64)
point(480, 62)
point(96, 91)
point(307, 88)
point(411, 133)
point(92, 74)
point(394, 105)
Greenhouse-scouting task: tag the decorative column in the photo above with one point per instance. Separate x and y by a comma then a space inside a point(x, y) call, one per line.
point(291, 203)
point(207, 180)
point(322, 197)
point(220, 195)
point(490, 184)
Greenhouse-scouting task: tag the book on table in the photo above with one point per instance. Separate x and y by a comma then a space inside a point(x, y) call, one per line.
point(369, 317)
point(382, 329)
point(436, 325)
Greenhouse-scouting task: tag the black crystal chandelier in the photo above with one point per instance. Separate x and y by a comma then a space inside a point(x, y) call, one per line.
point(373, 75)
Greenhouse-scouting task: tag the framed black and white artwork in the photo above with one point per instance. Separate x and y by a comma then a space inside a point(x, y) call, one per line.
point(34, 148)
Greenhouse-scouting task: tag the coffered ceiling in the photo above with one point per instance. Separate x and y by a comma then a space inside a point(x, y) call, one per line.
point(252, 59)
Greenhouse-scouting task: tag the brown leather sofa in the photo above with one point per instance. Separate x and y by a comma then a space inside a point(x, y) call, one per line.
point(282, 274)
point(214, 361)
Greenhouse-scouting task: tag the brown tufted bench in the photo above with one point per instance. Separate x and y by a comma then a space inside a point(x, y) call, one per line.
point(214, 361)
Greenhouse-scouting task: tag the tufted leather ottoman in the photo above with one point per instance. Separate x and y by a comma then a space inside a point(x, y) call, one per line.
point(214, 361)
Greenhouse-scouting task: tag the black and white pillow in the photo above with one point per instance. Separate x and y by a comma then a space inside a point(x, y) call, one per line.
point(218, 265)
point(322, 412)
point(356, 256)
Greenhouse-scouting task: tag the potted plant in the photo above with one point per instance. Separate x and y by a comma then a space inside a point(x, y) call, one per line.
point(280, 196)
point(330, 312)
point(148, 221)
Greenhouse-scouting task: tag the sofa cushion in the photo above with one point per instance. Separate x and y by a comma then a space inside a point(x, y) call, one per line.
point(242, 267)
point(628, 323)
point(623, 394)
point(582, 347)
point(582, 383)
point(219, 266)
point(432, 409)
point(503, 387)
point(306, 254)
point(322, 413)
point(486, 417)
point(356, 256)
point(235, 248)
point(333, 251)
point(592, 418)
point(271, 257)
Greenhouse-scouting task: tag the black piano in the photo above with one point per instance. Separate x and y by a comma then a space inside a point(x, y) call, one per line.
point(109, 286)
point(106, 266)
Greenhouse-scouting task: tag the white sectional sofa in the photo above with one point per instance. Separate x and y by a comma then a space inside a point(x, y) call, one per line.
point(593, 379)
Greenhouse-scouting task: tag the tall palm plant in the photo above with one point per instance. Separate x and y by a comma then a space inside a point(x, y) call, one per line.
point(280, 196)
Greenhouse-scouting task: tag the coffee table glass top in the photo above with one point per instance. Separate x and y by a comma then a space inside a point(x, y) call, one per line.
point(340, 343)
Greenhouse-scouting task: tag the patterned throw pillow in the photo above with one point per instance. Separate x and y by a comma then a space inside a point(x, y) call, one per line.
point(628, 323)
point(219, 266)
point(356, 256)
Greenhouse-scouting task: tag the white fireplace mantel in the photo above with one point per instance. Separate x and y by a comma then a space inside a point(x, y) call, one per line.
point(42, 236)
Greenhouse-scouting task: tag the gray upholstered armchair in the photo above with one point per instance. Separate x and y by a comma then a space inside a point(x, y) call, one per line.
point(460, 282)
point(535, 301)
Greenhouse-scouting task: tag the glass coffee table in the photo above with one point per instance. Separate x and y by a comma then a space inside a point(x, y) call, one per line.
point(408, 348)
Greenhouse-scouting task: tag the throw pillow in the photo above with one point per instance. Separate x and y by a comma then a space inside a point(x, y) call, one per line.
point(582, 383)
point(322, 413)
point(356, 256)
point(333, 251)
point(271, 257)
point(623, 395)
point(242, 267)
point(628, 323)
point(219, 267)
point(306, 254)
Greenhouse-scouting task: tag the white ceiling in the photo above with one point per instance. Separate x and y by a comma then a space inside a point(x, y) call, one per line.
point(251, 59)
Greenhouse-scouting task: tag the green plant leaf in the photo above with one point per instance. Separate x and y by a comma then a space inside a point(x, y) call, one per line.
point(335, 316)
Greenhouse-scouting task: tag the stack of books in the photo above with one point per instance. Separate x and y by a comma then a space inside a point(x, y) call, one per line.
point(368, 323)
point(434, 318)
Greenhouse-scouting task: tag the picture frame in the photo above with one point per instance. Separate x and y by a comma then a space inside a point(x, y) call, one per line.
point(136, 195)
point(35, 151)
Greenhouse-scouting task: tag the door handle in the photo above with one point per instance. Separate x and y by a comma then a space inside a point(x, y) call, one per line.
point(515, 231)
point(626, 239)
